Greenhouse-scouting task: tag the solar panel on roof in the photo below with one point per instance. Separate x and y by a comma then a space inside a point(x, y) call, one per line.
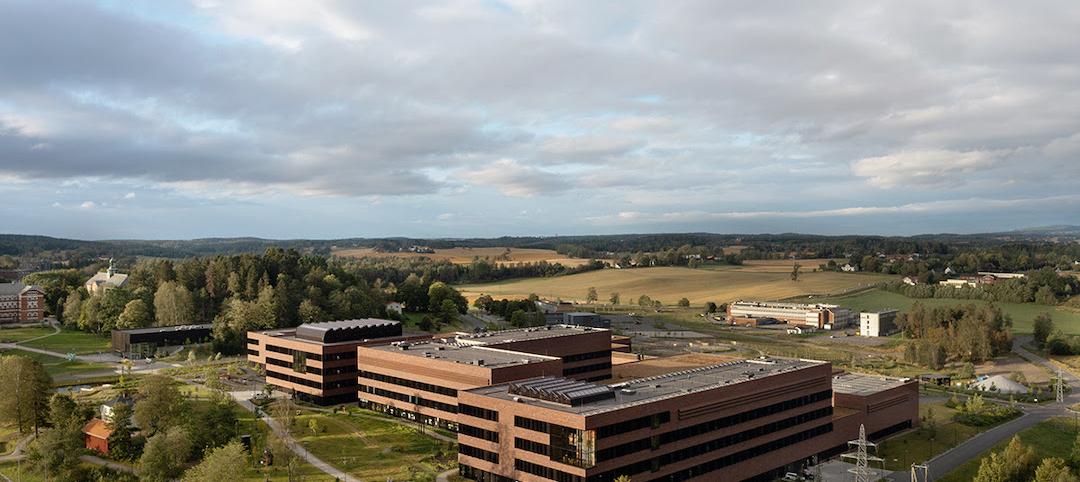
point(561, 390)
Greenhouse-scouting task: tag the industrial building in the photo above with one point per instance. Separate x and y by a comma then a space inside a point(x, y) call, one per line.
point(420, 381)
point(585, 318)
point(20, 303)
point(820, 316)
point(741, 420)
point(316, 362)
point(144, 342)
point(878, 323)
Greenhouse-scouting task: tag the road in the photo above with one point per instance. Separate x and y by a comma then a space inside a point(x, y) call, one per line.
point(973, 447)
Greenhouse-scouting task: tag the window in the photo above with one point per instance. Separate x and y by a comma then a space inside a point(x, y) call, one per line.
point(427, 387)
point(299, 362)
point(478, 433)
point(530, 424)
point(478, 453)
point(572, 446)
point(654, 421)
point(586, 369)
point(530, 446)
point(410, 399)
point(546, 472)
point(478, 412)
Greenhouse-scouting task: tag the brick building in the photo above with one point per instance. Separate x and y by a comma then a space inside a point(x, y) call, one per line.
point(20, 303)
point(585, 351)
point(420, 381)
point(316, 362)
point(742, 420)
point(820, 316)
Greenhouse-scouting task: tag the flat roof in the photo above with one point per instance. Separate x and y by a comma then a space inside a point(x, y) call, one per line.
point(166, 329)
point(861, 384)
point(464, 354)
point(523, 334)
point(342, 330)
point(653, 389)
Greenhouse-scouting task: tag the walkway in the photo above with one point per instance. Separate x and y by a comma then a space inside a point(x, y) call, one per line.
point(93, 459)
point(17, 454)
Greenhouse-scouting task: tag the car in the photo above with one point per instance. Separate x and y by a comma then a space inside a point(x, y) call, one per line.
point(791, 476)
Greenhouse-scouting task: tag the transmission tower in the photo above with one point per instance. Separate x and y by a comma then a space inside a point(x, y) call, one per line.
point(1059, 387)
point(862, 472)
point(920, 473)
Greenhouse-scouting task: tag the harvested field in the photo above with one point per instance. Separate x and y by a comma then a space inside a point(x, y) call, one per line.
point(500, 255)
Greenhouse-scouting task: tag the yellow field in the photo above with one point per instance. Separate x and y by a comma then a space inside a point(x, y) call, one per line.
point(467, 255)
point(668, 284)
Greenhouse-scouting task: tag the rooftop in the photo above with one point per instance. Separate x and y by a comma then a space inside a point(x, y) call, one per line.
point(167, 329)
point(859, 384)
point(16, 288)
point(465, 354)
point(345, 330)
point(523, 334)
point(777, 304)
point(651, 389)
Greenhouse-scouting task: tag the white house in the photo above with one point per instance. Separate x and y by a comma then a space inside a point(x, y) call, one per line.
point(849, 268)
point(394, 307)
point(106, 280)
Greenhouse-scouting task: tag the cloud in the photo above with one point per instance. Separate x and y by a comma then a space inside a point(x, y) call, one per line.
point(88, 205)
point(924, 168)
point(516, 180)
point(129, 195)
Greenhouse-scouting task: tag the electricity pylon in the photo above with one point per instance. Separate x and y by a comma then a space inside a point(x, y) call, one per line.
point(1059, 387)
point(862, 472)
point(920, 473)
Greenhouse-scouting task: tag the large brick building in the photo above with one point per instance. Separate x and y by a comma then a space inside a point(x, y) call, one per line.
point(743, 420)
point(316, 362)
point(420, 381)
point(20, 303)
point(820, 316)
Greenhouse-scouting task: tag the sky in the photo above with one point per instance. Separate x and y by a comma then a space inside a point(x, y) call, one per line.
point(328, 119)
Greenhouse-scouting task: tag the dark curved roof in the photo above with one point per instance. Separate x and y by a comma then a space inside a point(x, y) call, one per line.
point(348, 330)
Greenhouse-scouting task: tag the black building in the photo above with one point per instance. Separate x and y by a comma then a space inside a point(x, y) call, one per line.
point(145, 341)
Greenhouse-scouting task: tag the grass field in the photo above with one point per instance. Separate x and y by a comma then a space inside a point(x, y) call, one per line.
point(769, 281)
point(72, 341)
point(58, 368)
point(15, 335)
point(466, 255)
point(374, 449)
point(1050, 438)
point(915, 446)
point(1065, 318)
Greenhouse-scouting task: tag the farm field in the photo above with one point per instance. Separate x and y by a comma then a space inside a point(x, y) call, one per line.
point(668, 284)
point(466, 255)
point(72, 341)
point(1065, 318)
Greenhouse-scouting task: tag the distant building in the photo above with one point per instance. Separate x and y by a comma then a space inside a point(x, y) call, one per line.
point(1003, 275)
point(910, 281)
point(96, 435)
point(548, 307)
point(581, 318)
point(20, 303)
point(109, 406)
point(879, 323)
point(821, 316)
point(999, 384)
point(395, 307)
point(949, 270)
point(144, 342)
point(959, 283)
point(848, 268)
point(106, 280)
point(798, 330)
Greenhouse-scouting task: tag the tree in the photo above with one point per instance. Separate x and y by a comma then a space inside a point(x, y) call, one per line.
point(1043, 327)
point(684, 302)
point(56, 450)
point(122, 445)
point(968, 370)
point(591, 296)
point(173, 305)
point(226, 463)
point(24, 400)
point(135, 315)
point(310, 312)
point(795, 272)
point(710, 307)
point(1016, 462)
point(165, 453)
point(313, 425)
point(73, 307)
point(160, 405)
point(448, 312)
point(644, 300)
point(439, 292)
point(1074, 456)
point(1053, 469)
point(614, 297)
point(622, 478)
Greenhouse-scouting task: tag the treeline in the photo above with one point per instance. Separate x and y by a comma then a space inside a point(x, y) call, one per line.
point(519, 313)
point(279, 288)
point(1043, 286)
point(968, 333)
point(392, 269)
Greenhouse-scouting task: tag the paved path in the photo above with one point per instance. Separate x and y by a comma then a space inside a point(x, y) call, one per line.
point(295, 447)
point(17, 454)
point(445, 476)
point(93, 459)
point(975, 446)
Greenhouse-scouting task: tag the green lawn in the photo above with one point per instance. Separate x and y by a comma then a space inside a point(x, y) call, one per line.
point(916, 445)
point(72, 341)
point(374, 449)
point(15, 335)
point(1066, 319)
point(59, 367)
point(1050, 438)
point(11, 470)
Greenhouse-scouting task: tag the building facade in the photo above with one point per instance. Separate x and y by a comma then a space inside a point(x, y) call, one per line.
point(106, 280)
point(821, 316)
point(316, 362)
point(878, 323)
point(748, 420)
point(144, 342)
point(420, 380)
point(20, 303)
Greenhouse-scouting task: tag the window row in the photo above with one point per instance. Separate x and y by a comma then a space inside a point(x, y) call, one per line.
point(586, 368)
point(587, 356)
point(478, 412)
point(427, 387)
point(478, 453)
point(478, 433)
point(410, 399)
